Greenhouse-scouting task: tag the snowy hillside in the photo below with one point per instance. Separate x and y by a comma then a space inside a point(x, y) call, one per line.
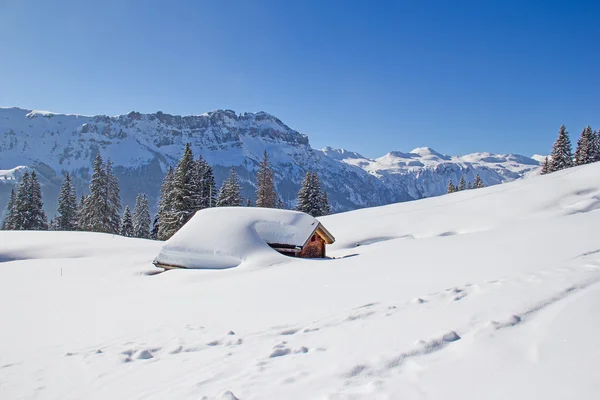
point(143, 145)
point(484, 294)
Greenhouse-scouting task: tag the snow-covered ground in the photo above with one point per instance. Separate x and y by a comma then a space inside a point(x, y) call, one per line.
point(484, 294)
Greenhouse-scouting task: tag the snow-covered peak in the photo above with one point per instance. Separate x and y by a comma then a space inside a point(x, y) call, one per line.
point(341, 154)
point(429, 153)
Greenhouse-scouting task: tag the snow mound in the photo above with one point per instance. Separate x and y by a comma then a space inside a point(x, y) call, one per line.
point(224, 237)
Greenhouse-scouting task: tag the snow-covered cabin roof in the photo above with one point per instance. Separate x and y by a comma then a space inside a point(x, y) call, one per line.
point(223, 237)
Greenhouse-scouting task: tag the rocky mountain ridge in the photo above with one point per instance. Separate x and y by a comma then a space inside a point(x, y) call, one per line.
point(142, 146)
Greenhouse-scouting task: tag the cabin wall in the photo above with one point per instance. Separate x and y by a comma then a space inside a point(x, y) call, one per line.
point(315, 248)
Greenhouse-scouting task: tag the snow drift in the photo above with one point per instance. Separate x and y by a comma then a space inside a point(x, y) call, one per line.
point(489, 294)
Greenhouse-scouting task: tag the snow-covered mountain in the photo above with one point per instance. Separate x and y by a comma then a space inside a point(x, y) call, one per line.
point(143, 145)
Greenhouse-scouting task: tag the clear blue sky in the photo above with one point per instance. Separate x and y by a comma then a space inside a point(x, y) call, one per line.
point(368, 76)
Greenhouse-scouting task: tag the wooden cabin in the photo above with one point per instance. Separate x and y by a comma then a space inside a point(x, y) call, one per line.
point(312, 247)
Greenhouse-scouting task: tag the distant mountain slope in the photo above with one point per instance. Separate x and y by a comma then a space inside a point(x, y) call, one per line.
point(143, 145)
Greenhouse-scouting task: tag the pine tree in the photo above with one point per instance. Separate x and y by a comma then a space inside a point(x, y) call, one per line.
point(584, 153)
point(155, 226)
point(29, 209)
point(451, 187)
point(462, 185)
point(325, 207)
point(595, 146)
point(80, 212)
point(93, 209)
point(311, 199)
point(303, 203)
point(141, 217)
point(230, 192)
point(9, 214)
point(113, 201)
point(127, 223)
point(316, 196)
point(67, 207)
point(164, 206)
point(265, 185)
point(545, 166)
point(38, 216)
point(53, 225)
point(180, 199)
point(22, 206)
point(280, 204)
point(561, 156)
point(101, 209)
point(478, 182)
point(209, 186)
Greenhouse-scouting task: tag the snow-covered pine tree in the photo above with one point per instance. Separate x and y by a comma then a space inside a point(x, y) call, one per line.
point(325, 207)
point(30, 214)
point(584, 151)
point(478, 182)
point(141, 217)
point(22, 205)
point(127, 223)
point(311, 199)
point(315, 196)
point(451, 187)
point(230, 192)
point(93, 210)
point(39, 222)
point(545, 166)
point(164, 206)
point(280, 204)
point(66, 220)
point(561, 156)
point(113, 201)
point(266, 196)
point(462, 184)
point(198, 183)
point(180, 199)
point(595, 146)
point(302, 203)
point(80, 211)
point(53, 225)
point(209, 186)
point(9, 214)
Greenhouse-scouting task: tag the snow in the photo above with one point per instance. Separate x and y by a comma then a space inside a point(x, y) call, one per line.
point(490, 293)
point(223, 237)
point(539, 158)
point(12, 175)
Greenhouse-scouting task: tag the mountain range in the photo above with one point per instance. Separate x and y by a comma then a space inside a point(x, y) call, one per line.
point(142, 146)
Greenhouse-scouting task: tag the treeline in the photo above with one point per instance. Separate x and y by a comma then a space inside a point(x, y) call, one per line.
point(561, 157)
point(97, 212)
point(463, 185)
point(190, 187)
point(186, 189)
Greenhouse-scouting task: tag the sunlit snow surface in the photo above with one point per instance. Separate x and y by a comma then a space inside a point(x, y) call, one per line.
point(485, 294)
